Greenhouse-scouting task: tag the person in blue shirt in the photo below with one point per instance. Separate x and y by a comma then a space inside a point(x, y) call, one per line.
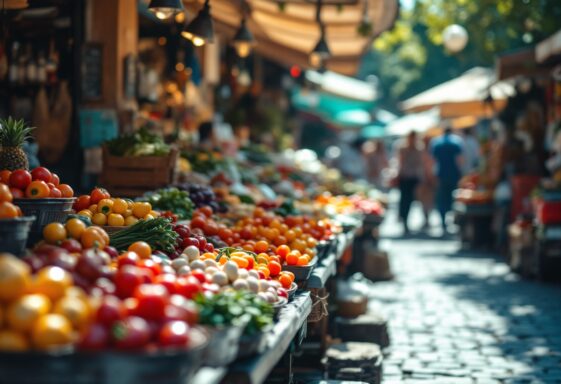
point(447, 153)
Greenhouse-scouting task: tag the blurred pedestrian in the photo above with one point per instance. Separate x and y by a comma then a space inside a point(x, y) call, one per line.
point(376, 160)
point(447, 153)
point(427, 187)
point(471, 151)
point(409, 173)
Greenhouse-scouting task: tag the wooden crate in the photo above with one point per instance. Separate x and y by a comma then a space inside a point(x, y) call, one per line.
point(133, 176)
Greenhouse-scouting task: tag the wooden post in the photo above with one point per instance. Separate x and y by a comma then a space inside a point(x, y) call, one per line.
point(114, 24)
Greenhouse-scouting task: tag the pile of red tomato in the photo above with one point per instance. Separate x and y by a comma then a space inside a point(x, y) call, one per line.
point(37, 184)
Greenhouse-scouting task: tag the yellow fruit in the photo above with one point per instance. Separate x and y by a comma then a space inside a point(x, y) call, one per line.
point(75, 228)
point(105, 206)
point(141, 209)
point(86, 212)
point(130, 220)
point(115, 220)
point(128, 213)
point(54, 232)
point(154, 213)
point(130, 203)
point(15, 277)
point(99, 219)
point(76, 310)
point(52, 330)
point(51, 282)
point(13, 341)
point(120, 206)
point(93, 208)
point(148, 217)
point(25, 311)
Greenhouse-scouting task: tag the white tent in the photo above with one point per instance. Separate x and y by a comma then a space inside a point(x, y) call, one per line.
point(418, 122)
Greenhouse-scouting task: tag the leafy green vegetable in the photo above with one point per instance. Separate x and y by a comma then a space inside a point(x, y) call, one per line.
point(157, 232)
point(236, 308)
point(139, 143)
point(171, 199)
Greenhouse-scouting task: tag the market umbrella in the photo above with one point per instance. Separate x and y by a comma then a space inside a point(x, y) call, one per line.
point(464, 95)
point(373, 131)
point(352, 117)
point(419, 122)
point(289, 33)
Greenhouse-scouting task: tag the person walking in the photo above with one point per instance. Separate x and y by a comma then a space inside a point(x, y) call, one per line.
point(409, 173)
point(447, 153)
point(471, 151)
point(427, 186)
point(376, 160)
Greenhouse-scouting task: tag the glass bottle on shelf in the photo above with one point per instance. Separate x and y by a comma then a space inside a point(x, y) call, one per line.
point(52, 64)
point(13, 70)
point(41, 68)
point(31, 68)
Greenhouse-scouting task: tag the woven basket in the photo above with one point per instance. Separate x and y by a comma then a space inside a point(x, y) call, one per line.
point(319, 305)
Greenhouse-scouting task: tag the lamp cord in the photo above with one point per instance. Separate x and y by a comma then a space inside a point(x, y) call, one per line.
point(318, 15)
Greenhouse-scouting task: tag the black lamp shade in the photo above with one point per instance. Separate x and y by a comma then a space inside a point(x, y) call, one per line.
point(321, 48)
point(201, 28)
point(173, 4)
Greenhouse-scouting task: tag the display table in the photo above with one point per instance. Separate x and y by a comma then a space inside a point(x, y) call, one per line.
point(291, 320)
point(476, 224)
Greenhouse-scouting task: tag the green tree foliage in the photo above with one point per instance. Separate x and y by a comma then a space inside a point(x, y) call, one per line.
point(411, 57)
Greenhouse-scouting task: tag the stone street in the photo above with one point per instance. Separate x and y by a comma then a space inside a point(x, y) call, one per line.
point(462, 317)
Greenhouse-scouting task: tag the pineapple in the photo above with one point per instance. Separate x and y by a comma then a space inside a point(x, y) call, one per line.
point(13, 133)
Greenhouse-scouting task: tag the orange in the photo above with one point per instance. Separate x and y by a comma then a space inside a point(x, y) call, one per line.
point(303, 261)
point(12, 341)
point(8, 210)
point(142, 249)
point(5, 176)
point(120, 206)
point(75, 228)
point(261, 246)
point(76, 310)
point(130, 220)
point(240, 261)
point(52, 330)
point(5, 194)
point(54, 232)
point(14, 277)
point(66, 190)
point(25, 311)
point(37, 189)
point(311, 242)
point(283, 250)
point(99, 219)
point(285, 281)
point(289, 274)
point(223, 260)
point(52, 282)
point(292, 259)
point(275, 268)
point(92, 238)
point(141, 209)
point(116, 220)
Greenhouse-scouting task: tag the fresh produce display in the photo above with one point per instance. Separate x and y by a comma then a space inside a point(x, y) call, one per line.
point(173, 200)
point(140, 143)
point(202, 196)
point(13, 133)
point(40, 183)
point(236, 308)
point(190, 238)
point(158, 233)
point(350, 204)
point(103, 210)
point(7, 209)
point(78, 229)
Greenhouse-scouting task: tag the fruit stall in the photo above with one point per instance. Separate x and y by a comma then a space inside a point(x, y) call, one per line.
point(218, 273)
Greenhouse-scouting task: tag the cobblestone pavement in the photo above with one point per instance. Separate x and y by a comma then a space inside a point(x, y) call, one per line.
point(460, 317)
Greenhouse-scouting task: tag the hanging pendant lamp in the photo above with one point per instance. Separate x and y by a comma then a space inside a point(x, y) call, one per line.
point(243, 40)
point(201, 29)
point(164, 9)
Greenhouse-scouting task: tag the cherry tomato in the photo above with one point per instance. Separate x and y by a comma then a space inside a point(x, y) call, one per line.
point(174, 334)
point(110, 310)
point(55, 193)
point(168, 280)
point(189, 310)
point(206, 210)
point(188, 286)
point(210, 228)
point(55, 179)
point(95, 338)
point(127, 258)
point(20, 179)
point(41, 173)
point(196, 222)
point(152, 301)
point(81, 203)
point(131, 333)
point(98, 194)
point(199, 275)
point(150, 265)
point(127, 279)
